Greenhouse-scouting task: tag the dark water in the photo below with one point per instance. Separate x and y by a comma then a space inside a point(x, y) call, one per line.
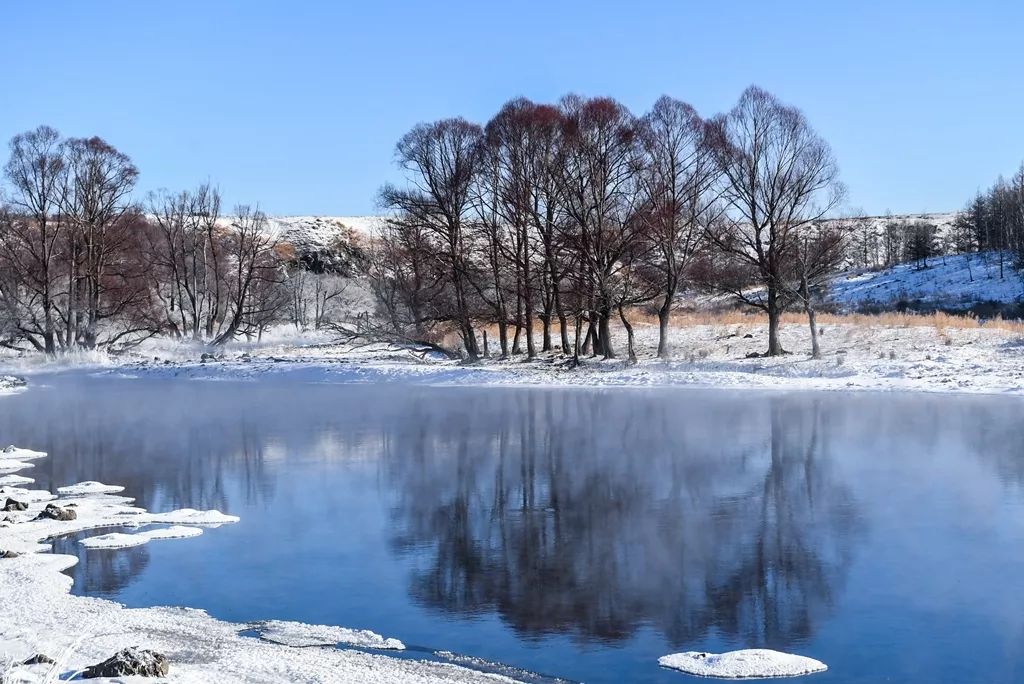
point(575, 533)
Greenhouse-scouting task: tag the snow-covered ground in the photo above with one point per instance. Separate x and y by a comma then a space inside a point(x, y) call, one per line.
point(40, 616)
point(892, 352)
point(858, 353)
point(952, 282)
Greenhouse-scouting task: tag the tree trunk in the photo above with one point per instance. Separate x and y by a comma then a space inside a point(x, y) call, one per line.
point(815, 349)
point(604, 332)
point(663, 316)
point(774, 314)
point(630, 348)
point(503, 337)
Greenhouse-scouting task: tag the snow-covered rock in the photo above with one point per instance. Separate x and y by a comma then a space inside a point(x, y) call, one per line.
point(744, 664)
point(300, 634)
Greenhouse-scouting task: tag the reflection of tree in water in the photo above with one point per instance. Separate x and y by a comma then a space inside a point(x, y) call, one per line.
point(594, 514)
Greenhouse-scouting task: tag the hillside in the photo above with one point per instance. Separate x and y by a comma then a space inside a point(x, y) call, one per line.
point(958, 282)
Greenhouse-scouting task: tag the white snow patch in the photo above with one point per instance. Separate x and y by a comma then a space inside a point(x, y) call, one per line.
point(185, 516)
point(119, 540)
point(290, 633)
point(956, 281)
point(9, 465)
point(14, 480)
point(743, 664)
point(19, 454)
point(89, 487)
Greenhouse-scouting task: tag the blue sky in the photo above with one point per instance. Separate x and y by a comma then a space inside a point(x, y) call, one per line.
point(297, 105)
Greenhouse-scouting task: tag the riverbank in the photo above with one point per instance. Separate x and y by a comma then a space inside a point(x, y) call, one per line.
point(861, 353)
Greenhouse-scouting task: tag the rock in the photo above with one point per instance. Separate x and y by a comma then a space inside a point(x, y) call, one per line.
point(13, 505)
point(39, 659)
point(9, 554)
point(130, 662)
point(748, 336)
point(54, 512)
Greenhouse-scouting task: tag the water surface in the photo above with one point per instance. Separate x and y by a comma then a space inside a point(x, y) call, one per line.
point(578, 533)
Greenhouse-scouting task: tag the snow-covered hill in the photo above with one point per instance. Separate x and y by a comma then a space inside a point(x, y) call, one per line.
point(957, 282)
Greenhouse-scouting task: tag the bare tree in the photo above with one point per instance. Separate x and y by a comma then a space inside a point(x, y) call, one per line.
point(597, 180)
point(441, 160)
point(250, 249)
point(679, 174)
point(97, 207)
point(32, 229)
point(778, 176)
point(819, 252)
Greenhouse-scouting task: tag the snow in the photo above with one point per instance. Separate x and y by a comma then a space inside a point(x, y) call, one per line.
point(186, 516)
point(10, 465)
point(15, 480)
point(952, 282)
point(119, 540)
point(17, 454)
point(300, 634)
point(10, 384)
point(41, 616)
point(743, 664)
point(89, 487)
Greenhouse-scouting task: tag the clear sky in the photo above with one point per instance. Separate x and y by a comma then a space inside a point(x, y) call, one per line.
point(297, 104)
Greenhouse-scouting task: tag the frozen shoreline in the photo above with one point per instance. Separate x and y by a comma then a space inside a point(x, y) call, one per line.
point(969, 360)
point(41, 616)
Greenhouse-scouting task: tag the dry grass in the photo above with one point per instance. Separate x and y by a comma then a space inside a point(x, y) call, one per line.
point(894, 319)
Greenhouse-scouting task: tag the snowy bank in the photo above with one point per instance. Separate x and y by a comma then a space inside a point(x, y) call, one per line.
point(750, 663)
point(855, 356)
point(74, 632)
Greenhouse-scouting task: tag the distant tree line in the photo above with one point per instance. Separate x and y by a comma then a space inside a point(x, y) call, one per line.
point(991, 222)
point(551, 224)
point(553, 221)
point(83, 265)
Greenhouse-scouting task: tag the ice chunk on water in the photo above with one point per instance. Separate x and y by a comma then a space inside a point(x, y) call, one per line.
point(10, 465)
point(187, 516)
point(747, 663)
point(119, 540)
point(19, 454)
point(300, 634)
point(14, 480)
point(89, 487)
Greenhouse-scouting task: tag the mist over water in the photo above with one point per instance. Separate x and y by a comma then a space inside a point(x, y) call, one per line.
point(579, 533)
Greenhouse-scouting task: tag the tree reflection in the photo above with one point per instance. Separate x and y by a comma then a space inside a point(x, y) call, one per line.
point(593, 514)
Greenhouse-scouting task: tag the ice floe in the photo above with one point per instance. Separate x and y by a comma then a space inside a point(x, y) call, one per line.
point(185, 516)
point(89, 487)
point(300, 634)
point(14, 480)
point(744, 664)
point(120, 540)
point(19, 454)
point(10, 465)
